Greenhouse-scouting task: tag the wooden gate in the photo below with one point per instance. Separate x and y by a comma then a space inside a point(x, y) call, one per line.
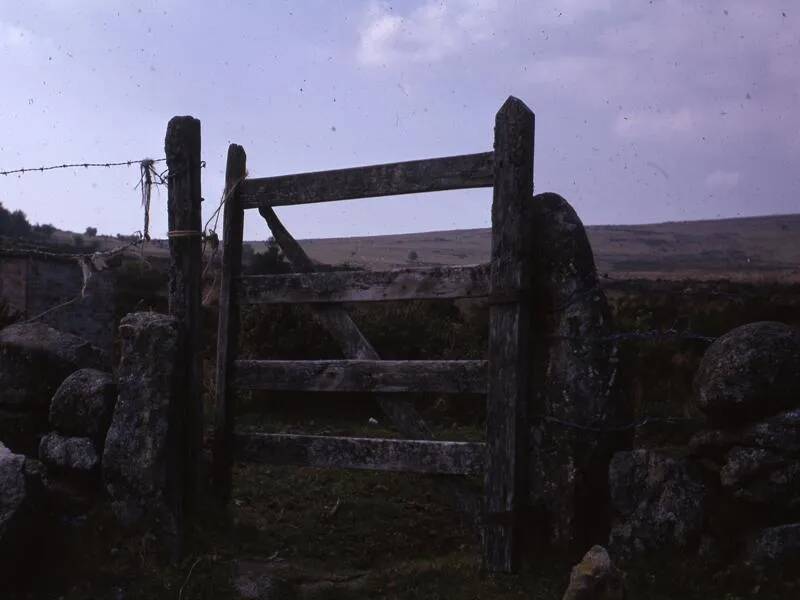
point(503, 378)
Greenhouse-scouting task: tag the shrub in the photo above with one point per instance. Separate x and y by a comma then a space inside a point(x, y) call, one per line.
point(269, 262)
point(7, 314)
point(44, 230)
point(14, 224)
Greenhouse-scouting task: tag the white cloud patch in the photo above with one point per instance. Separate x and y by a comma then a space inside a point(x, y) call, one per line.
point(655, 124)
point(437, 29)
point(12, 36)
point(431, 32)
point(722, 180)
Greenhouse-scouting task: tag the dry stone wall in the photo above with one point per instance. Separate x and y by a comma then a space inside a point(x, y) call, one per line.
point(33, 286)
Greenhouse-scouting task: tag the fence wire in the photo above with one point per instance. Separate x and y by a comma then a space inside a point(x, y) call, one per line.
point(653, 335)
point(637, 424)
point(85, 165)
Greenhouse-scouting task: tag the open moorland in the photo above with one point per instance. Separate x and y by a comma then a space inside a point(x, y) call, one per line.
point(743, 249)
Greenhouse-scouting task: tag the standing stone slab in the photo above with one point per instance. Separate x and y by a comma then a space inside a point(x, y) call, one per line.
point(575, 379)
point(83, 405)
point(140, 460)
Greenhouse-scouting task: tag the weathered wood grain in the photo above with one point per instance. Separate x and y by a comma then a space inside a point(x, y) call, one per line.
point(509, 343)
point(380, 376)
point(431, 175)
point(419, 456)
point(184, 197)
point(228, 321)
point(366, 286)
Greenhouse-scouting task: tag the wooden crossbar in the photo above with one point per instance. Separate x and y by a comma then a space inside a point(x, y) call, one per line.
point(418, 456)
point(430, 175)
point(365, 286)
point(379, 376)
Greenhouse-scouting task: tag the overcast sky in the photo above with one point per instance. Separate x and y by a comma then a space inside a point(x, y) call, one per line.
point(645, 110)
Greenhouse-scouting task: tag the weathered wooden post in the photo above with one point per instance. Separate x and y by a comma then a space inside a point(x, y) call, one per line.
point(509, 344)
point(182, 146)
point(228, 323)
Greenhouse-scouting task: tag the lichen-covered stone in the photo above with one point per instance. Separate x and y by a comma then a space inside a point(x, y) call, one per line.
point(775, 548)
point(34, 360)
point(596, 578)
point(83, 405)
point(780, 432)
point(763, 477)
point(139, 459)
point(76, 454)
point(758, 463)
point(21, 497)
point(658, 501)
point(749, 373)
point(574, 378)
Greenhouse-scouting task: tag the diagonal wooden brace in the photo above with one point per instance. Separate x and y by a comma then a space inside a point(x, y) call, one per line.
point(338, 323)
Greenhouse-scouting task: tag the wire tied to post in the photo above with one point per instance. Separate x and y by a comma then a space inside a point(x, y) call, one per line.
point(185, 233)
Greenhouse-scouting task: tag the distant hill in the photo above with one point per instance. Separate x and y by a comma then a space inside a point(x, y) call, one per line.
point(751, 249)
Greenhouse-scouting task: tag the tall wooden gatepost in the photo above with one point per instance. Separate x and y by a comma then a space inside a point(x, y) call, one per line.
point(509, 337)
point(182, 146)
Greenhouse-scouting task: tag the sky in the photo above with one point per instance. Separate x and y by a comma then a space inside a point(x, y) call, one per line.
point(646, 110)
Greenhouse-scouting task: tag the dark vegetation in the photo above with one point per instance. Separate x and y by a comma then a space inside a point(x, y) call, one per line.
point(7, 314)
point(16, 225)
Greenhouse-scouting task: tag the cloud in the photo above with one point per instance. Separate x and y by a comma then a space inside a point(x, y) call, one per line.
point(655, 124)
point(437, 30)
point(719, 180)
point(15, 36)
point(431, 32)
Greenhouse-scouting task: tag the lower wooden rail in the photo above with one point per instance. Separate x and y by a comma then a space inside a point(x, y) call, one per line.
point(428, 283)
point(418, 456)
point(379, 376)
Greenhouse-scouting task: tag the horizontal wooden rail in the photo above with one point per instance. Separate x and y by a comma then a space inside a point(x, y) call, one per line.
point(380, 376)
point(365, 286)
point(418, 456)
point(431, 175)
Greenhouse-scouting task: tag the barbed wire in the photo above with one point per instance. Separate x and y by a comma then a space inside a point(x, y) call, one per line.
point(91, 262)
point(85, 165)
point(638, 423)
point(653, 335)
